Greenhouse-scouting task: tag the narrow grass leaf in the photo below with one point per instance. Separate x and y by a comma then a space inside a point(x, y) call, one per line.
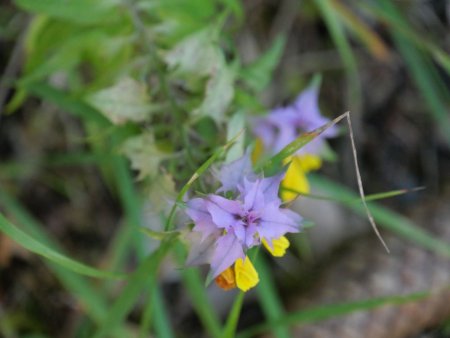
point(163, 326)
point(367, 198)
point(143, 275)
point(36, 247)
point(200, 301)
point(421, 70)
point(268, 297)
point(330, 311)
point(337, 33)
point(233, 317)
point(386, 218)
point(90, 298)
point(367, 36)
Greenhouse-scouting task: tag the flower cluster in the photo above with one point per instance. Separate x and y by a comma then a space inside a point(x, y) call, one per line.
point(283, 125)
point(228, 227)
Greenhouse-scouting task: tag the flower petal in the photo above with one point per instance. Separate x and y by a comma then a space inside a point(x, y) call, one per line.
point(226, 280)
point(252, 194)
point(197, 211)
point(232, 174)
point(201, 250)
point(227, 251)
point(295, 179)
point(276, 222)
point(246, 275)
point(224, 212)
point(277, 247)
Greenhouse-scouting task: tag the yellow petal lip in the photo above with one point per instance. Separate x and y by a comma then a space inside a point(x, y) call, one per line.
point(246, 275)
point(295, 178)
point(278, 247)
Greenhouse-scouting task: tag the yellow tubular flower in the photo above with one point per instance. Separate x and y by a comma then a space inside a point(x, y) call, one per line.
point(279, 246)
point(227, 280)
point(246, 275)
point(295, 177)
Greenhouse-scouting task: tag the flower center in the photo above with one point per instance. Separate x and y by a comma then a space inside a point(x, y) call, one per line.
point(250, 218)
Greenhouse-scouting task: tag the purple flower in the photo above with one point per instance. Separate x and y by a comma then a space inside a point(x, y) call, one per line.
point(229, 227)
point(283, 125)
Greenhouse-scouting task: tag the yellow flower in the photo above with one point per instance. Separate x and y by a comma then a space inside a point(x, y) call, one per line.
point(278, 247)
point(243, 275)
point(226, 280)
point(295, 178)
point(246, 275)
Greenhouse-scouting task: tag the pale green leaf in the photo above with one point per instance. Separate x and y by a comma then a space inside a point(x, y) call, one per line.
point(195, 54)
point(127, 100)
point(144, 155)
point(219, 94)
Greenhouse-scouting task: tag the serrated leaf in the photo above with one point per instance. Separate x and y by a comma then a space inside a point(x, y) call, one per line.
point(219, 94)
point(127, 100)
point(144, 154)
point(195, 54)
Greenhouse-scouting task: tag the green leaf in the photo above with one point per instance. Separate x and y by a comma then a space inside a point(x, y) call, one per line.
point(258, 74)
point(235, 126)
point(33, 245)
point(127, 100)
point(196, 54)
point(144, 155)
point(219, 94)
point(77, 11)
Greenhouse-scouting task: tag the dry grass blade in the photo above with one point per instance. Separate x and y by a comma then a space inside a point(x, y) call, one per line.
point(359, 180)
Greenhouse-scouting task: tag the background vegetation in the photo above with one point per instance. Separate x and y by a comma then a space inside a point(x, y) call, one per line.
point(93, 89)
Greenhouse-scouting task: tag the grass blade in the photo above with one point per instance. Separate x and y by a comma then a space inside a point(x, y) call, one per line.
point(90, 298)
point(386, 218)
point(196, 290)
point(345, 51)
point(144, 274)
point(233, 317)
point(329, 311)
point(421, 69)
point(268, 297)
point(162, 323)
point(43, 250)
